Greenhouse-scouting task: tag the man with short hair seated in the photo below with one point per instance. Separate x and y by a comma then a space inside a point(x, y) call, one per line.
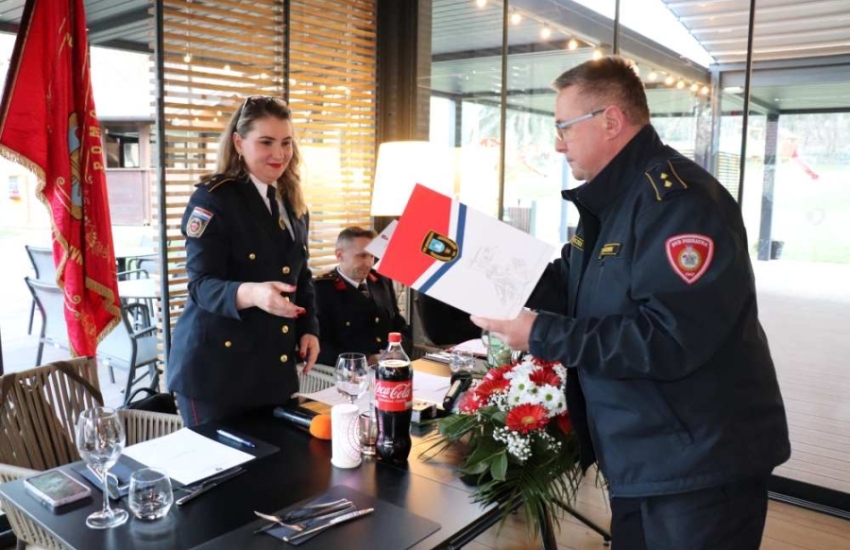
point(357, 307)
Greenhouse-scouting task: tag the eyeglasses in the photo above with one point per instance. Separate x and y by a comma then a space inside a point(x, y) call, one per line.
point(260, 101)
point(562, 127)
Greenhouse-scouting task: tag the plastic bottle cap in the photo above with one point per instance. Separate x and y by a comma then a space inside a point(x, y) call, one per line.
point(395, 337)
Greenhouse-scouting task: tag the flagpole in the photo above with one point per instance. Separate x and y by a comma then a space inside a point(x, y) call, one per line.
point(160, 179)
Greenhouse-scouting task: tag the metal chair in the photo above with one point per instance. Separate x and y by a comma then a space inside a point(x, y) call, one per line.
point(126, 347)
point(132, 345)
point(45, 270)
point(51, 303)
point(39, 409)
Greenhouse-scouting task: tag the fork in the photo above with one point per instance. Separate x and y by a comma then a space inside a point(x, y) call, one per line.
point(269, 517)
point(341, 506)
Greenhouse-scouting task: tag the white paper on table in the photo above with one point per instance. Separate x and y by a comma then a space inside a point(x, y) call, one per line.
point(331, 396)
point(464, 257)
point(474, 346)
point(186, 455)
point(430, 387)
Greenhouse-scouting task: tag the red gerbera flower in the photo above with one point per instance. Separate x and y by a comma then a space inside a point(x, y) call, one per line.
point(564, 422)
point(469, 403)
point(488, 387)
point(543, 363)
point(525, 418)
point(545, 376)
point(498, 373)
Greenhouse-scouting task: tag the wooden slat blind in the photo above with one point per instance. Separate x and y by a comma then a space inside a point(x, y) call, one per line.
point(216, 52)
point(333, 87)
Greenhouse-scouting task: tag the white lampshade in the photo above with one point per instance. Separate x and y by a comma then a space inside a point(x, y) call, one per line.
point(403, 164)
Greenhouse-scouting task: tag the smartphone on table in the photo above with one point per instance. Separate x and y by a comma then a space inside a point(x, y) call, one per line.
point(56, 488)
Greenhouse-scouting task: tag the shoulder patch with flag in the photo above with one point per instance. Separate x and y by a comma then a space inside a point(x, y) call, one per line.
point(198, 221)
point(690, 255)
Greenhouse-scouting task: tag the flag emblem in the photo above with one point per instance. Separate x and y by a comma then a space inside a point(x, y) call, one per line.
point(198, 221)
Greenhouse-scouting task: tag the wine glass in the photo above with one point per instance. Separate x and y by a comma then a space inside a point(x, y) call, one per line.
point(352, 375)
point(100, 440)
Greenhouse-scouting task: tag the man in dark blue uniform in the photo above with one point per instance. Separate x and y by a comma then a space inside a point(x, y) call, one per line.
point(357, 307)
point(671, 386)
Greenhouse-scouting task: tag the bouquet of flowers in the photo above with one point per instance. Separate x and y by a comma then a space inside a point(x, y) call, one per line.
point(520, 448)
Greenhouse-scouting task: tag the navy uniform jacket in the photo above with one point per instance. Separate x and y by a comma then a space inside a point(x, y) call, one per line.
point(221, 354)
point(677, 387)
point(351, 322)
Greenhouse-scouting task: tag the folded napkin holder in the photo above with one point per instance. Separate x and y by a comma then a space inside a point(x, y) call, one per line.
point(120, 471)
point(279, 531)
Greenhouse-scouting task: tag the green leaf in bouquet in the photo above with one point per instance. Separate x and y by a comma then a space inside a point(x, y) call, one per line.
point(485, 451)
point(499, 417)
point(499, 466)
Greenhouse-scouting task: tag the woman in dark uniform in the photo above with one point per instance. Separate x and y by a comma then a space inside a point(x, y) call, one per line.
point(250, 314)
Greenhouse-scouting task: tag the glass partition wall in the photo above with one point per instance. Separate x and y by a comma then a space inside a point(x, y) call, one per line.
point(491, 67)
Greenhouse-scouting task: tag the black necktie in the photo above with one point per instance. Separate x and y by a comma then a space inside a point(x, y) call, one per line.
point(272, 195)
point(364, 290)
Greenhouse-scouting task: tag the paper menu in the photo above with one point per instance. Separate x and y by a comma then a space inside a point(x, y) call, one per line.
point(464, 257)
point(186, 455)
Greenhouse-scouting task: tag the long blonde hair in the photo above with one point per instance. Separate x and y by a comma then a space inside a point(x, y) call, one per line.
point(230, 162)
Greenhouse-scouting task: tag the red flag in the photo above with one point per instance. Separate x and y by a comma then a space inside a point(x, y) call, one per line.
point(48, 124)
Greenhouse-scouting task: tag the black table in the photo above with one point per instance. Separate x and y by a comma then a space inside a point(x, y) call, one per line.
point(299, 471)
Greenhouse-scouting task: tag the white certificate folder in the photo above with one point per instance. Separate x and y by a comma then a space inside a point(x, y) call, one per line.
point(464, 257)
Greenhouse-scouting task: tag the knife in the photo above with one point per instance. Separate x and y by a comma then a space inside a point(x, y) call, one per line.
point(331, 523)
point(207, 485)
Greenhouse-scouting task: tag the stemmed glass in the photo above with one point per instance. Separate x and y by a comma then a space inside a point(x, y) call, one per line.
point(100, 440)
point(352, 375)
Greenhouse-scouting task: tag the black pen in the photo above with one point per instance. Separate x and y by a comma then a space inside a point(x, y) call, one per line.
point(230, 436)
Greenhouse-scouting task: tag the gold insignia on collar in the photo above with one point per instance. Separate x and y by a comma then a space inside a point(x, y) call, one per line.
point(577, 242)
point(609, 249)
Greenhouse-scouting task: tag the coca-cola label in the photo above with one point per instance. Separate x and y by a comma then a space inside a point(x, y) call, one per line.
point(393, 396)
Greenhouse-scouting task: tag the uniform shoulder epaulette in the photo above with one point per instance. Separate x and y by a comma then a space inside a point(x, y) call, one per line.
point(327, 276)
point(215, 182)
point(665, 180)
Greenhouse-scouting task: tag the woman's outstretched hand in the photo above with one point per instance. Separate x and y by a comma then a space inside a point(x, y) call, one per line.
point(268, 296)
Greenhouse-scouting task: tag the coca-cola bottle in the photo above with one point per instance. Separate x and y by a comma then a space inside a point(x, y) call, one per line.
point(393, 402)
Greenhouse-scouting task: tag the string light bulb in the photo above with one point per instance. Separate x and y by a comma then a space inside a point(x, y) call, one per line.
point(597, 54)
point(516, 18)
point(572, 44)
point(653, 76)
point(680, 85)
point(481, 3)
point(187, 58)
point(669, 80)
point(545, 32)
point(704, 90)
point(694, 87)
